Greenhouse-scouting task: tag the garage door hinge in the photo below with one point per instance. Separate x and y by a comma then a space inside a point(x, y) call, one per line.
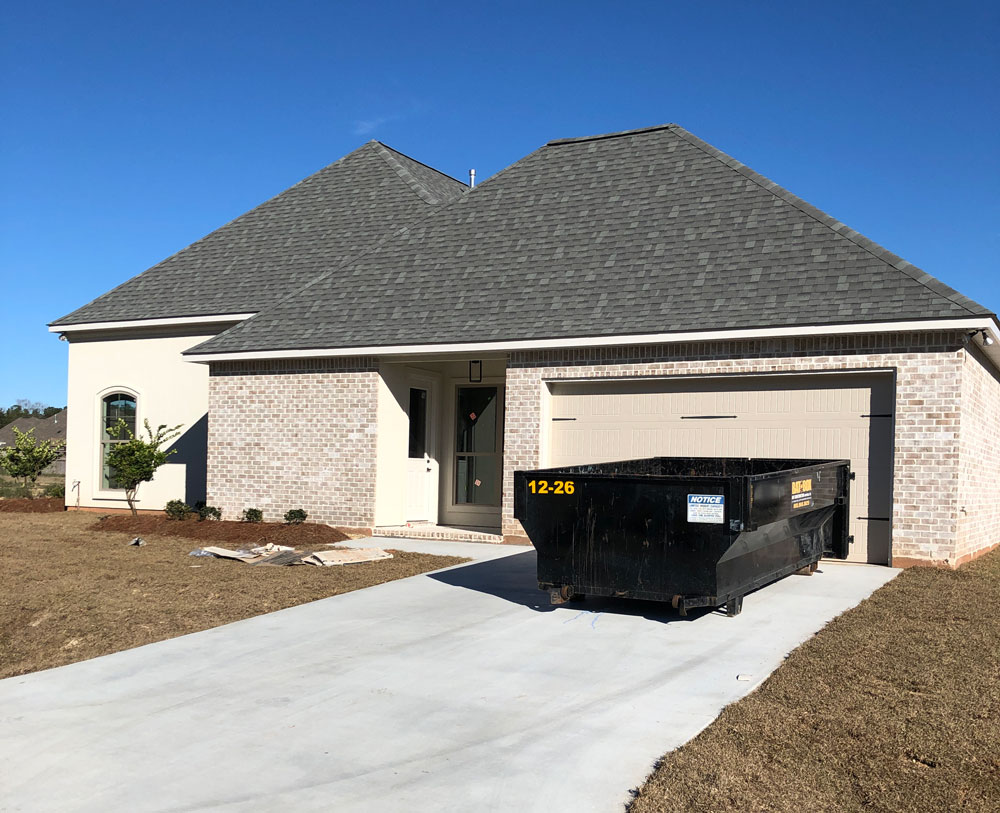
point(564, 419)
point(706, 417)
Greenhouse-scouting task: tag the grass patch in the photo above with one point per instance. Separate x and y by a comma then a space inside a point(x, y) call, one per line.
point(895, 706)
point(68, 593)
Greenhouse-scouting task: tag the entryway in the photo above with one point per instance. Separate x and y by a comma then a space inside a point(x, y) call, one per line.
point(446, 417)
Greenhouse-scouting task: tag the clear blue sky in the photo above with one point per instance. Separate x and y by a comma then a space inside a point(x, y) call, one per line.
point(130, 129)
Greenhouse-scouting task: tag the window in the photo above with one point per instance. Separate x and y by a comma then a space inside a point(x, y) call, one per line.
point(118, 406)
point(418, 422)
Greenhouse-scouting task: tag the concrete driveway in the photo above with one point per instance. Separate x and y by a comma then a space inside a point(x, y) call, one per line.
point(452, 691)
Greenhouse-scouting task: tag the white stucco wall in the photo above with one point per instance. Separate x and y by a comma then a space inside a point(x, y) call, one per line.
point(168, 390)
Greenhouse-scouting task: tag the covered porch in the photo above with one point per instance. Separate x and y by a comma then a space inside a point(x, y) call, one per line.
point(440, 435)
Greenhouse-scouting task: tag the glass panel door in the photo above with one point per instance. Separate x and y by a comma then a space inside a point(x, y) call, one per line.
point(477, 459)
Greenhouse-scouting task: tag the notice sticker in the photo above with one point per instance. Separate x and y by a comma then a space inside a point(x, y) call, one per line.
point(710, 508)
point(802, 495)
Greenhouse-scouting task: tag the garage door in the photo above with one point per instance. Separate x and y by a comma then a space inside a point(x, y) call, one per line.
point(819, 416)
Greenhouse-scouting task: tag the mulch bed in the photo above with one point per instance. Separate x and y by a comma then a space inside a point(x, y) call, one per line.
point(895, 706)
point(209, 530)
point(68, 593)
point(39, 505)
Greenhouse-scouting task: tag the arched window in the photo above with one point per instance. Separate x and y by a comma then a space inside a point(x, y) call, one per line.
point(119, 406)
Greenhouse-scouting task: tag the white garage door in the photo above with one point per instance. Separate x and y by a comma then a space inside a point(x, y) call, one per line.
point(818, 416)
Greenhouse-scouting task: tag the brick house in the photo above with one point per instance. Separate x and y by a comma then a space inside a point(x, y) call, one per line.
point(384, 347)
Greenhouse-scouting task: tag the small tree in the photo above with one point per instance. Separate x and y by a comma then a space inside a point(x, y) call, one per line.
point(28, 457)
point(136, 460)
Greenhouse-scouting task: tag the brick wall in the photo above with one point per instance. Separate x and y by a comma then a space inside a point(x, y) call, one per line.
point(979, 458)
point(929, 375)
point(294, 434)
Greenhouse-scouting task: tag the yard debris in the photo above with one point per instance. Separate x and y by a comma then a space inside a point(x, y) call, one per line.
point(345, 556)
point(271, 554)
point(138, 542)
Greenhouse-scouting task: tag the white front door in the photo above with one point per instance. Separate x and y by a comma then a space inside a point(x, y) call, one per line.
point(420, 469)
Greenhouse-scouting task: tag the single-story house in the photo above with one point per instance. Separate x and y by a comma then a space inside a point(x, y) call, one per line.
point(384, 346)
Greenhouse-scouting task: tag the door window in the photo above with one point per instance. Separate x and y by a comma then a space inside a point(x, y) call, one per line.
point(418, 422)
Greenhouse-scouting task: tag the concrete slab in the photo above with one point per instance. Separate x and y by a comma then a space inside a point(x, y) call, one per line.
point(451, 691)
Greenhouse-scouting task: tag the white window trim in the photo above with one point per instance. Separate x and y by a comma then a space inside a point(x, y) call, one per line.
point(100, 492)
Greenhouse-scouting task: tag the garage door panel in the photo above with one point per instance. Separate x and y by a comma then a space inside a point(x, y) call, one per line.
point(819, 416)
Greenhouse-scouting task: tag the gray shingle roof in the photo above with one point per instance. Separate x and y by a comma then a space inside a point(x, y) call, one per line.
point(647, 231)
point(339, 212)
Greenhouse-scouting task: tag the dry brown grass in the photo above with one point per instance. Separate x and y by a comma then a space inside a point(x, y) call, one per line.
point(68, 593)
point(895, 706)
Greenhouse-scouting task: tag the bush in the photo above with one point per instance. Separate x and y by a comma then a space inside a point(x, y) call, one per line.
point(177, 509)
point(252, 515)
point(209, 512)
point(295, 517)
point(26, 459)
point(55, 490)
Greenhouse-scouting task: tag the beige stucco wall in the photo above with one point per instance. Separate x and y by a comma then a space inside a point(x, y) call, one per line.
point(930, 371)
point(979, 457)
point(168, 390)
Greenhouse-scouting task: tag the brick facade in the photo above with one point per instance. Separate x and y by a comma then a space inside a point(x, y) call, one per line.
point(289, 434)
point(931, 370)
point(979, 458)
point(294, 434)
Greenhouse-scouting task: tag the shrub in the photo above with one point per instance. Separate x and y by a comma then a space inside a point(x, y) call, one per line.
point(26, 459)
point(177, 509)
point(295, 516)
point(209, 512)
point(8, 488)
point(252, 515)
point(55, 490)
point(136, 460)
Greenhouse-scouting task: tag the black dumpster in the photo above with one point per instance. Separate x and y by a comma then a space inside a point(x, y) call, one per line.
point(697, 532)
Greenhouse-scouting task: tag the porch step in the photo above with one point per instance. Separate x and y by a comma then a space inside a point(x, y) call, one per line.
point(443, 532)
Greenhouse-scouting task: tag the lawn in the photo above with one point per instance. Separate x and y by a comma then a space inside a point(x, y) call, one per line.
point(895, 706)
point(69, 592)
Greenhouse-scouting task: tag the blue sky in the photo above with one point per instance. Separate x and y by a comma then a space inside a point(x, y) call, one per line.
point(132, 129)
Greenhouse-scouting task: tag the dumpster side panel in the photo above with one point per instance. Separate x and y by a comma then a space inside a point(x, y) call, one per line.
point(625, 536)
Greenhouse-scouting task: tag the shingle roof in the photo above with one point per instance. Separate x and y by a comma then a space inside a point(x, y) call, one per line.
point(339, 212)
point(647, 231)
point(51, 428)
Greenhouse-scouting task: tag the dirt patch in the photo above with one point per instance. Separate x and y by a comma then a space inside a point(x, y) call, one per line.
point(39, 505)
point(895, 706)
point(68, 593)
point(243, 533)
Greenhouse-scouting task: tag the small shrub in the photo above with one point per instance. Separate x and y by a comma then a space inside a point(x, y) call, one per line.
point(252, 515)
point(209, 512)
point(55, 490)
point(177, 509)
point(296, 516)
point(8, 488)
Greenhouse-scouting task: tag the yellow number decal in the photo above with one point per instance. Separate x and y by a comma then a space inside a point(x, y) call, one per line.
point(558, 487)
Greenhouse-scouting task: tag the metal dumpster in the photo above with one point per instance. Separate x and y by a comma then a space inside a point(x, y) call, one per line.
point(697, 532)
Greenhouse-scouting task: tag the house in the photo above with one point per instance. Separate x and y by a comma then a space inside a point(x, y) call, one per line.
point(381, 345)
point(51, 428)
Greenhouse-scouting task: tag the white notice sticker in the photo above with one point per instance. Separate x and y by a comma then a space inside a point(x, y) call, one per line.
point(710, 508)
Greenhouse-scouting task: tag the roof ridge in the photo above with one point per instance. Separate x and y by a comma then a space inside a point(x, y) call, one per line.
point(600, 136)
point(915, 273)
point(388, 154)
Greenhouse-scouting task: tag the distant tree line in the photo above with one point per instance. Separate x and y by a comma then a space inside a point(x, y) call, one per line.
point(27, 409)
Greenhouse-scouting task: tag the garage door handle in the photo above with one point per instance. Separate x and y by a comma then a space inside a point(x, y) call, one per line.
point(877, 519)
point(564, 419)
point(880, 415)
point(706, 417)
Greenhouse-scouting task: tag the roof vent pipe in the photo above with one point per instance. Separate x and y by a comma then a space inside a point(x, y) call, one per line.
point(472, 178)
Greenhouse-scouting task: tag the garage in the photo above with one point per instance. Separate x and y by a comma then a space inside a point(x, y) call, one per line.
point(821, 416)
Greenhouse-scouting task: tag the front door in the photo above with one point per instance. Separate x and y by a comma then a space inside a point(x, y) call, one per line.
point(477, 455)
point(419, 469)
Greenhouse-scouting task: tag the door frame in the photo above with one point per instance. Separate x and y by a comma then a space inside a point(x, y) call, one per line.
point(464, 514)
point(431, 383)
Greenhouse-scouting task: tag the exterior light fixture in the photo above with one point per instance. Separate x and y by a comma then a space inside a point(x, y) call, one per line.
point(475, 372)
point(987, 339)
